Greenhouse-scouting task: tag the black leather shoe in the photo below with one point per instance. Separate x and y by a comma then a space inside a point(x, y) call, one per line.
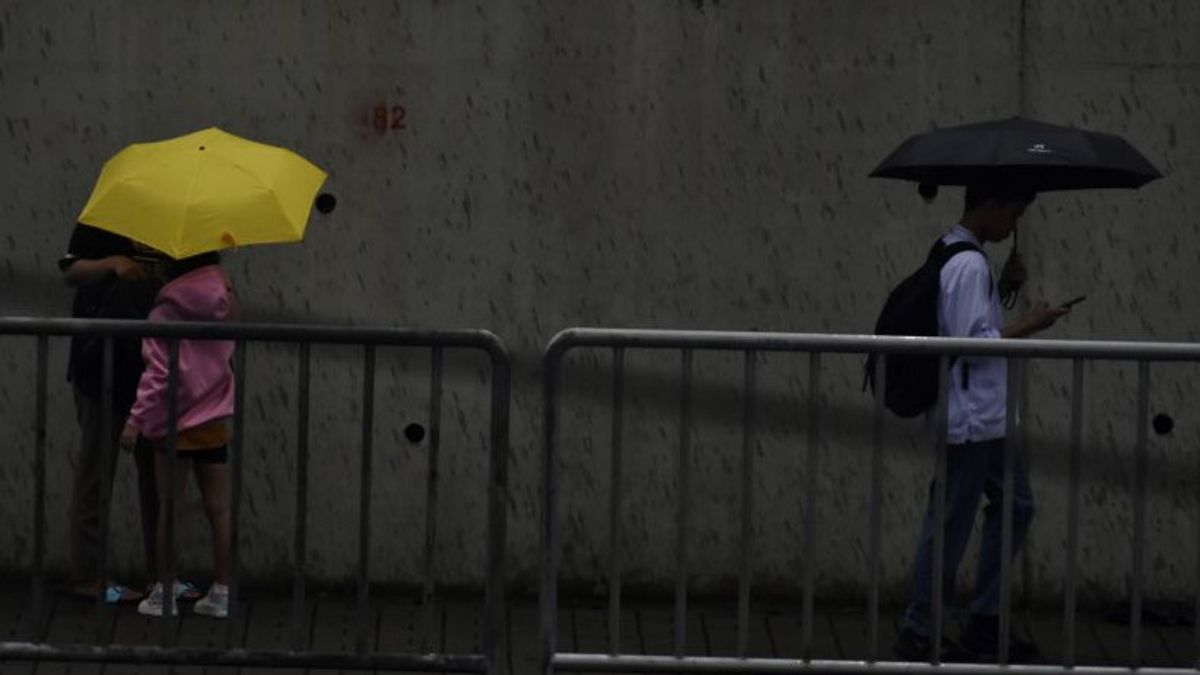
point(980, 642)
point(912, 646)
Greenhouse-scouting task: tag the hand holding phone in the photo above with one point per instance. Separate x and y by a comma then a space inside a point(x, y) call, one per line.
point(1072, 302)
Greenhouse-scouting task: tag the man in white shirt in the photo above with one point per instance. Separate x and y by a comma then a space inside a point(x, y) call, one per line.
point(969, 306)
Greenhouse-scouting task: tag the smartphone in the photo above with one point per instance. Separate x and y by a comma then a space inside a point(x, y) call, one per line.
point(1073, 301)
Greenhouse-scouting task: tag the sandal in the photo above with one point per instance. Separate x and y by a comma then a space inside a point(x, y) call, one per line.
point(186, 590)
point(114, 594)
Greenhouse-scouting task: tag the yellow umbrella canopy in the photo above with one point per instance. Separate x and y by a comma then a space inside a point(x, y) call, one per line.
point(202, 192)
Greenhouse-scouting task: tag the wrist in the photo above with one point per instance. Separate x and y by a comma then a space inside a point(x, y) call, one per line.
point(1019, 328)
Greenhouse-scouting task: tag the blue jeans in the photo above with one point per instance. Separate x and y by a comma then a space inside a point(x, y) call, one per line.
point(972, 470)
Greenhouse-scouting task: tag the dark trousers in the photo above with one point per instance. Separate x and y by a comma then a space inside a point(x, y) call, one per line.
point(973, 470)
point(93, 479)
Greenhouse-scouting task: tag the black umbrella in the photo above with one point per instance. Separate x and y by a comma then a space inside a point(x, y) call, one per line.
point(1040, 155)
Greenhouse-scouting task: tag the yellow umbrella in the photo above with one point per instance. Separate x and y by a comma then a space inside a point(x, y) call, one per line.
point(202, 192)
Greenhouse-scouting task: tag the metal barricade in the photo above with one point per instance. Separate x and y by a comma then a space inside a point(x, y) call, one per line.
point(1017, 351)
point(492, 656)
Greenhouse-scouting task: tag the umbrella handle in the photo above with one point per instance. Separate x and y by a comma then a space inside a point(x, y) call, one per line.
point(1009, 300)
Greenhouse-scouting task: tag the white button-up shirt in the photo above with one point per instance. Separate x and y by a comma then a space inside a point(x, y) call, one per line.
point(969, 306)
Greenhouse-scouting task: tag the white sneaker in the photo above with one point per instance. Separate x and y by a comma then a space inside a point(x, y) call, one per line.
point(152, 605)
point(215, 603)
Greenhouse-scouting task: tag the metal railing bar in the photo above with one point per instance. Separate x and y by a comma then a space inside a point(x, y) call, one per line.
point(168, 565)
point(108, 460)
point(39, 487)
point(682, 510)
point(300, 553)
point(433, 461)
point(616, 493)
point(237, 464)
point(865, 344)
point(1141, 469)
point(1017, 370)
point(875, 507)
point(580, 662)
point(941, 417)
point(810, 502)
point(495, 649)
point(257, 332)
point(1069, 622)
point(1026, 458)
point(364, 504)
point(745, 572)
point(548, 595)
point(250, 658)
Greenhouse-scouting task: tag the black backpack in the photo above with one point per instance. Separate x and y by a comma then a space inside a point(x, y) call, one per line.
point(912, 309)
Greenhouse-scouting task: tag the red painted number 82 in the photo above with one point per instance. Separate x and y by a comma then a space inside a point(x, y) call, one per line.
point(385, 118)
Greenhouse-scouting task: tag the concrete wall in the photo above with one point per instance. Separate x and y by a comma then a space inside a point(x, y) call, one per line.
point(672, 164)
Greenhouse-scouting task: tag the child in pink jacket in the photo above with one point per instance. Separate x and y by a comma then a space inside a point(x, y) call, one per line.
point(196, 289)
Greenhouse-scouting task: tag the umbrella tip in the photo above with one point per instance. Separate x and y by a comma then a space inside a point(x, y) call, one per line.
point(228, 239)
point(928, 191)
point(325, 202)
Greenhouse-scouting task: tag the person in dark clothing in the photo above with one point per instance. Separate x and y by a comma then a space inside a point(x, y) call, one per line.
point(114, 278)
point(969, 306)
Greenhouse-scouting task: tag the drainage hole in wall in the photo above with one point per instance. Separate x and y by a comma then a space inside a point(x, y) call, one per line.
point(415, 433)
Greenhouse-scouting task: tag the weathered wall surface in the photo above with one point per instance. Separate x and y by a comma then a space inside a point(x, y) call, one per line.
point(528, 166)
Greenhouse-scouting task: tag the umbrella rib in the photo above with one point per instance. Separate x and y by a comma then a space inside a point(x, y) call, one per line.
point(251, 178)
point(187, 207)
point(263, 187)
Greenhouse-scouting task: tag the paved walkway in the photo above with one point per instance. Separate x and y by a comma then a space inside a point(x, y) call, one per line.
point(399, 625)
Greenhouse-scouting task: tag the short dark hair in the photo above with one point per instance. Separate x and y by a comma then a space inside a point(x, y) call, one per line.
point(1002, 191)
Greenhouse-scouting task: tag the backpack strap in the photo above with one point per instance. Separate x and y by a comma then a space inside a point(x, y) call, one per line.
point(942, 252)
point(939, 255)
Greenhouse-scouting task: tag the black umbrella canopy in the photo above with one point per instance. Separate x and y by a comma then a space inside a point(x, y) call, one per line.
point(1040, 155)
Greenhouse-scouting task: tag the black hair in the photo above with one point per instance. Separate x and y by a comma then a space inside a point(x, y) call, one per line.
point(178, 268)
point(1002, 191)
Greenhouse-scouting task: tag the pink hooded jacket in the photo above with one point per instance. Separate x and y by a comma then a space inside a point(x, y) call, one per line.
point(205, 378)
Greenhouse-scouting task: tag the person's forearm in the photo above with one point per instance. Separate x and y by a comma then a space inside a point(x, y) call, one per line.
point(1016, 329)
point(1027, 325)
point(84, 271)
